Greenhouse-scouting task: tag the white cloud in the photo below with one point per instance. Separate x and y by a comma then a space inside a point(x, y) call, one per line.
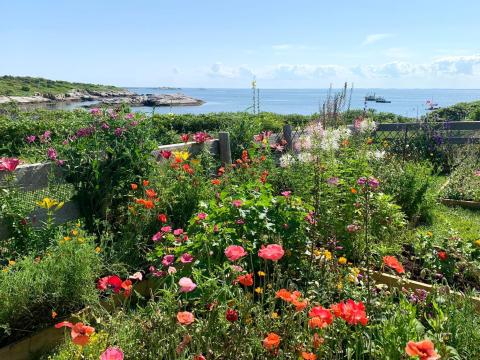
point(282, 47)
point(373, 38)
point(218, 70)
point(301, 71)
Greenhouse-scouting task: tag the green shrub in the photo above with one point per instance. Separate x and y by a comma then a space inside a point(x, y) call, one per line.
point(464, 182)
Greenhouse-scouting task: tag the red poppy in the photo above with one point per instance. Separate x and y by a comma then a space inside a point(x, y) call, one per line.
point(271, 342)
point(165, 154)
point(231, 315)
point(263, 177)
point(110, 282)
point(322, 313)
point(245, 280)
point(185, 137)
point(442, 255)
point(134, 186)
point(146, 182)
point(127, 286)
point(353, 313)
point(162, 218)
point(392, 262)
point(80, 333)
point(187, 169)
point(425, 350)
point(150, 193)
point(284, 294)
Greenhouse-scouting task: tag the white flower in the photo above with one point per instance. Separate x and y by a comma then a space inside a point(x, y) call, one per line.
point(286, 160)
point(377, 154)
point(305, 157)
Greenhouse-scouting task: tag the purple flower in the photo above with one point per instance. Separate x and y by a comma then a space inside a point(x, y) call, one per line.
point(96, 111)
point(373, 182)
point(362, 181)
point(334, 181)
point(168, 260)
point(119, 132)
point(105, 126)
point(30, 139)
point(84, 132)
point(52, 154)
point(129, 116)
point(112, 113)
point(134, 123)
point(65, 142)
point(45, 137)
point(60, 162)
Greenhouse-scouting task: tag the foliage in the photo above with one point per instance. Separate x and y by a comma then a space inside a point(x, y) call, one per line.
point(464, 182)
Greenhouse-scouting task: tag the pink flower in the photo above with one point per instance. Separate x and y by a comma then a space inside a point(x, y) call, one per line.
point(237, 203)
point(373, 182)
point(353, 228)
point(30, 139)
point(155, 272)
point(177, 232)
point(333, 181)
point(137, 276)
point(235, 252)
point(286, 193)
point(129, 116)
point(476, 173)
point(96, 111)
point(166, 229)
point(202, 216)
point(186, 258)
point(200, 137)
point(112, 353)
point(171, 270)
point(186, 285)
point(168, 260)
point(362, 180)
point(237, 268)
point(8, 164)
point(165, 154)
point(157, 236)
point(272, 252)
point(52, 154)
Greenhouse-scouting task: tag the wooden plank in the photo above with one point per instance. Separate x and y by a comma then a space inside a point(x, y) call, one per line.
point(462, 203)
point(192, 147)
point(450, 125)
point(30, 177)
point(224, 148)
point(287, 135)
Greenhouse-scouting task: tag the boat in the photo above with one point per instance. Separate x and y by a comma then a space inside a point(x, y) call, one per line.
point(370, 97)
point(380, 99)
point(431, 105)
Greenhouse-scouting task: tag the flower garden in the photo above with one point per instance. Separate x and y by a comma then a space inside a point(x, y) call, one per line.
point(331, 244)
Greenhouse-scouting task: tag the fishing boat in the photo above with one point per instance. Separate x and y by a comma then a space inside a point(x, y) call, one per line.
point(380, 99)
point(370, 97)
point(430, 105)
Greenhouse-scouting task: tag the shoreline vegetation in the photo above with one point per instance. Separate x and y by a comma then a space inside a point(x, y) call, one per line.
point(28, 90)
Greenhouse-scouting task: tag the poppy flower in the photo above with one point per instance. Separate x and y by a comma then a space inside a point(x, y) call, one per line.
point(235, 252)
point(442, 255)
point(272, 252)
point(127, 287)
point(110, 282)
point(186, 285)
point(134, 186)
point(299, 305)
point(185, 317)
point(177, 232)
point(112, 353)
point(284, 294)
point(322, 313)
point(317, 341)
point(157, 236)
point(308, 356)
point(392, 262)
point(231, 315)
point(150, 193)
point(166, 229)
point(245, 280)
point(424, 349)
point(162, 218)
point(137, 276)
point(271, 342)
point(80, 333)
point(317, 323)
point(353, 313)
point(201, 216)
point(145, 182)
point(215, 182)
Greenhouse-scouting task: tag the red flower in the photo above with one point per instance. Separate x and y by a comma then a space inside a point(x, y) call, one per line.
point(80, 333)
point(317, 341)
point(150, 193)
point(322, 313)
point(187, 169)
point(146, 182)
point(271, 342)
point(162, 218)
point(263, 177)
point(215, 182)
point(272, 252)
point(245, 280)
point(200, 137)
point(392, 262)
point(185, 137)
point(134, 186)
point(231, 315)
point(165, 154)
point(127, 287)
point(110, 282)
point(425, 350)
point(442, 255)
point(308, 356)
point(352, 312)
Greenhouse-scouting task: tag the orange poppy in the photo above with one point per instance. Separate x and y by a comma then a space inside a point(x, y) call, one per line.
point(146, 182)
point(245, 280)
point(317, 341)
point(80, 333)
point(424, 349)
point(353, 190)
point(392, 262)
point(308, 356)
point(150, 193)
point(215, 182)
point(185, 317)
point(134, 186)
point(271, 342)
point(317, 323)
point(284, 294)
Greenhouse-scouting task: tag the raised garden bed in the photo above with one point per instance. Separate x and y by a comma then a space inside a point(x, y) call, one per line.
point(463, 203)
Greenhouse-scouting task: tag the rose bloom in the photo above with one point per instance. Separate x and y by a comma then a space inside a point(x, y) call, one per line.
point(424, 349)
point(272, 252)
point(185, 317)
point(112, 353)
point(231, 315)
point(393, 263)
point(271, 342)
point(235, 252)
point(186, 285)
point(80, 333)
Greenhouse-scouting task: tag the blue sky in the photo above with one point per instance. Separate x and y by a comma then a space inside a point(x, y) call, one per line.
point(212, 43)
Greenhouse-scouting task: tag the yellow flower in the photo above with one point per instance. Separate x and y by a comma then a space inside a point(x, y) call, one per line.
point(195, 162)
point(477, 242)
point(5, 269)
point(328, 255)
point(353, 276)
point(274, 315)
point(269, 286)
point(67, 238)
point(48, 203)
point(262, 274)
point(429, 234)
point(342, 260)
point(182, 155)
point(259, 290)
point(11, 262)
point(74, 232)
point(317, 252)
point(98, 249)
point(340, 285)
point(78, 224)
point(249, 320)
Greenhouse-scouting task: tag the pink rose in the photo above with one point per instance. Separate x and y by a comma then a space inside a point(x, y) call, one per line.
point(235, 252)
point(272, 252)
point(168, 260)
point(112, 353)
point(186, 258)
point(186, 285)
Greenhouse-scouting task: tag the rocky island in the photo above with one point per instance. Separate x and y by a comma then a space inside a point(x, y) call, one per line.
point(26, 90)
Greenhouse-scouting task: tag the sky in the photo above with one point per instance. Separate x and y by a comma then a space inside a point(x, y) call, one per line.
point(225, 44)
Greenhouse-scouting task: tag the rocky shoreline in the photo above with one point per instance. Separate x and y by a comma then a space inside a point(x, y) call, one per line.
point(113, 97)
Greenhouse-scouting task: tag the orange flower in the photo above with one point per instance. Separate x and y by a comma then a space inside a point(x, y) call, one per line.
point(317, 323)
point(284, 294)
point(245, 280)
point(185, 317)
point(150, 193)
point(54, 314)
point(353, 190)
point(317, 341)
point(425, 350)
point(215, 182)
point(80, 333)
point(146, 182)
point(127, 287)
point(244, 155)
point(308, 356)
point(134, 186)
point(148, 204)
point(392, 262)
point(271, 342)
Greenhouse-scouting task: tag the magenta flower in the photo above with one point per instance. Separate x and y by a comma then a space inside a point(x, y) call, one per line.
point(237, 203)
point(105, 126)
point(30, 139)
point(45, 137)
point(166, 229)
point(177, 232)
point(96, 111)
point(157, 236)
point(119, 131)
point(165, 154)
point(373, 182)
point(186, 258)
point(201, 216)
point(168, 260)
point(186, 285)
point(362, 181)
point(8, 164)
point(334, 181)
point(200, 137)
point(286, 193)
point(52, 154)
point(112, 353)
point(129, 116)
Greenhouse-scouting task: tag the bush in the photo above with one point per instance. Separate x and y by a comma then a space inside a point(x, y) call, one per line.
point(62, 280)
point(464, 182)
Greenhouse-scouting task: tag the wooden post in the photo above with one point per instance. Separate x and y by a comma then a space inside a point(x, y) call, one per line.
point(224, 148)
point(287, 135)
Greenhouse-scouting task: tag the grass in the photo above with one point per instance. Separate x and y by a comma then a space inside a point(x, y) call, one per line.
point(27, 86)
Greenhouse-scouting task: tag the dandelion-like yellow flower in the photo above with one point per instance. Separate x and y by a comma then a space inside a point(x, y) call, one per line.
point(274, 315)
point(48, 203)
point(11, 262)
point(429, 234)
point(477, 242)
point(67, 238)
point(98, 249)
point(259, 290)
point(74, 232)
point(353, 276)
point(342, 260)
point(262, 274)
point(328, 255)
point(317, 252)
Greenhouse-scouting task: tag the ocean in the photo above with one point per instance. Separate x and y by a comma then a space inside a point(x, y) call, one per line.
point(406, 102)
